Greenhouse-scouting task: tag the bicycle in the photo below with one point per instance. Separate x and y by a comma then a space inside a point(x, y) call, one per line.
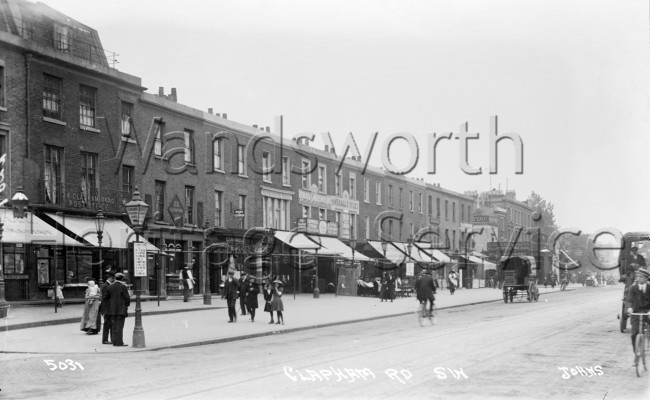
point(642, 343)
point(423, 313)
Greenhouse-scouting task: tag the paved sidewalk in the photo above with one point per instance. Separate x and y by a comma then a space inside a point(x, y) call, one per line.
point(37, 329)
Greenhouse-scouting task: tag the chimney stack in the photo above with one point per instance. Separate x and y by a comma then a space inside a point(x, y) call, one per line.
point(218, 115)
point(210, 110)
point(174, 98)
point(255, 126)
point(268, 129)
point(224, 116)
point(161, 91)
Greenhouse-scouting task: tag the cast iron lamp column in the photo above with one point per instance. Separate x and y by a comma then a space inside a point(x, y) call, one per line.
point(316, 289)
point(99, 226)
point(137, 210)
point(3, 303)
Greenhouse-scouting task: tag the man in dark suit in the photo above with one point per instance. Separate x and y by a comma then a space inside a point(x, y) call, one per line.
point(231, 293)
point(425, 289)
point(103, 308)
point(117, 297)
point(633, 262)
point(639, 297)
point(243, 291)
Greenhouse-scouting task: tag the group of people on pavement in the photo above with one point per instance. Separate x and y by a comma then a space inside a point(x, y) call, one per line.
point(246, 290)
point(111, 301)
point(387, 287)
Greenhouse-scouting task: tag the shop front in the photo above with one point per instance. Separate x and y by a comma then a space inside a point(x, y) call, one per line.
point(31, 251)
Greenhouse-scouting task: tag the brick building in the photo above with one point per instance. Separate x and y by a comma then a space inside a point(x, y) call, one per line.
point(80, 136)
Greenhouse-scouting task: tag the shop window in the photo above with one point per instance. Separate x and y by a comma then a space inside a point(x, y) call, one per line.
point(14, 259)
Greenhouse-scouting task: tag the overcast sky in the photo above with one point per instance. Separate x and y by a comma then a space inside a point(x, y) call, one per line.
point(569, 77)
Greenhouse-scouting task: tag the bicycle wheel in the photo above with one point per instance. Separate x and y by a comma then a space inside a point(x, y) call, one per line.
point(640, 353)
point(646, 349)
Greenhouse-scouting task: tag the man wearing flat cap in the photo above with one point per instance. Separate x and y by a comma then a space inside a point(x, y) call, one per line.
point(118, 299)
point(639, 297)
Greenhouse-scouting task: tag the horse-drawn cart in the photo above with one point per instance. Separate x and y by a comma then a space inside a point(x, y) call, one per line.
point(519, 278)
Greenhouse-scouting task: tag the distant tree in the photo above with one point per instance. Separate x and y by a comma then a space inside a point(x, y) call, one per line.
point(545, 208)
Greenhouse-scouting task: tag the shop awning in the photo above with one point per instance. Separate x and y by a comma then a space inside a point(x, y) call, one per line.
point(393, 253)
point(478, 261)
point(335, 246)
point(436, 254)
point(297, 240)
point(32, 229)
point(117, 234)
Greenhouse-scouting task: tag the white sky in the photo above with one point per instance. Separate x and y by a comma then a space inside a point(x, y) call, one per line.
point(570, 77)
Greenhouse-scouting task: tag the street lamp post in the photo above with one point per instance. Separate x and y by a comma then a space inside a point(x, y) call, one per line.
point(137, 210)
point(99, 226)
point(3, 303)
point(316, 289)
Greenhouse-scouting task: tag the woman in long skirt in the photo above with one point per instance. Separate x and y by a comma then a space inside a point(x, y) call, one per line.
point(89, 320)
point(276, 301)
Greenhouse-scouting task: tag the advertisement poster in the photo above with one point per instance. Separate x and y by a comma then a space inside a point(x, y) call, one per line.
point(43, 271)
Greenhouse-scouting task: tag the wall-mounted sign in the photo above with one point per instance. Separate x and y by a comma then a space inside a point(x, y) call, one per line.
point(139, 259)
point(176, 211)
point(314, 199)
point(239, 213)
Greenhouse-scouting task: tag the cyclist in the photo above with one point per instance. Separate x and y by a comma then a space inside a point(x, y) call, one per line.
point(640, 298)
point(633, 262)
point(425, 289)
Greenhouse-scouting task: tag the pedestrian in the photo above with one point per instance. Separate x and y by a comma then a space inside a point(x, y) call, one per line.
point(103, 308)
point(251, 296)
point(268, 296)
point(89, 317)
point(188, 282)
point(276, 301)
point(118, 300)
point(639, 295)
point(58, 294)
point(242, 293)
point(452, 281)
point(231, 293)
point(383, 286)
point(391, 287)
